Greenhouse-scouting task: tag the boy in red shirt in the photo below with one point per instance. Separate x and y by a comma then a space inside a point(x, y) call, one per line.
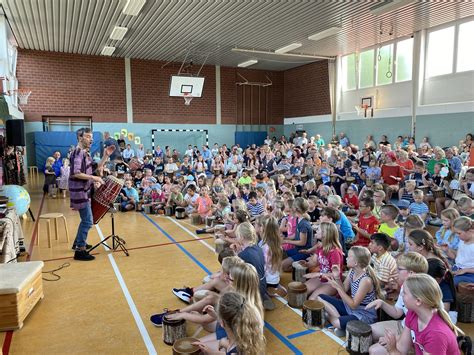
point(368, 223)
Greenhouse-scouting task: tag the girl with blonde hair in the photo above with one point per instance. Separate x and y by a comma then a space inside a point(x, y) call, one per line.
point(428, 326)
point(248, 250)
point(328, 252)
point(273, 254)
point(364, 287)
point(242, 324)
point(447, 240)
point(463, 269)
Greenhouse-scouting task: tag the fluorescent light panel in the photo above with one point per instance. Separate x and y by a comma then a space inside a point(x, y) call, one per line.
point(118, 33)
point(108, 50)
point(247, 63)
point(326, 33)
point(288, 48)
point(133, 7)
point(389, 6)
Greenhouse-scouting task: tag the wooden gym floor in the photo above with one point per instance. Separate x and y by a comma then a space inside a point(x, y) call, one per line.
point(104, 306)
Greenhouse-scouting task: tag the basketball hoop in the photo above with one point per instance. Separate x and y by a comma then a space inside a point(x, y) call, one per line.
point(187, 98)
point(23, 95)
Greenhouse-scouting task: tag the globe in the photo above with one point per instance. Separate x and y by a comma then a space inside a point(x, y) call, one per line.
point(18, 198)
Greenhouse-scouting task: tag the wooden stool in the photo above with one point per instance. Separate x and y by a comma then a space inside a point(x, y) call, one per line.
point(48, 217)
point(33, 173)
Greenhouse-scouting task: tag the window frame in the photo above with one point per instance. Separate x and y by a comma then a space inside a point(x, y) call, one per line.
point(454, 69)
point(376, 48)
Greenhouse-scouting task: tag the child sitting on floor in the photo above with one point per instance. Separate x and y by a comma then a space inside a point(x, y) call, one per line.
point(364, 288)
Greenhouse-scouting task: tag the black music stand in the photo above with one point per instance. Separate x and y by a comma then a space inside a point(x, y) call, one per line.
point(117, 242)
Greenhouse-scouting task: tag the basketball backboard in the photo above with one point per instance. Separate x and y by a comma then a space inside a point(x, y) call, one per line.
point(186, 85)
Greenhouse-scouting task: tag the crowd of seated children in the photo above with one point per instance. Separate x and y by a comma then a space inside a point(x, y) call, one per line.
point(333, 209)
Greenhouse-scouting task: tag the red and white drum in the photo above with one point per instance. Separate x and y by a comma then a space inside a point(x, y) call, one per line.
point(104, 196)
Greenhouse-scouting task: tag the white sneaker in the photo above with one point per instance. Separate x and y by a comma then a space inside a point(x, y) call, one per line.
point(339, 332)
point(183, 294)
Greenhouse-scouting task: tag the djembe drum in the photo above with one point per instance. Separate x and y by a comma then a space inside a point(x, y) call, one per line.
point(185, 346)
point(180, 213)
point(350, 180)
point(173, 330)
point(425, 189)
point(195, 219)
point(296, 294)
point(298, 271)
point(104, 196)
point(359, 337)
point(438, 193)
point(169, 211)
point(313, 314)
point(318, 180)
point(134, 164)
point(465, 302)
point(457, 194)
point(210, 221)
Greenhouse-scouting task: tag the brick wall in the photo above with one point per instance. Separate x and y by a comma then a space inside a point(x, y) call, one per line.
point(72, 85)
point(251, 105)
point(307, 90)
point(94, 86)
point(151, 100)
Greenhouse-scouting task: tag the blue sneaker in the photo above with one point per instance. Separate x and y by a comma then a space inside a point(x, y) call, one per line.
point(157, 319)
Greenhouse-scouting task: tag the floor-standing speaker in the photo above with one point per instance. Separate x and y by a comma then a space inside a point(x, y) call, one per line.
point(15, 133)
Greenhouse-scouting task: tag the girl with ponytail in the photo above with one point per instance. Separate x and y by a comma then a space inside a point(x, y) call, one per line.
point(463, 268)
point(364, 288)
point(428, 326)
point(243, 325)
point(421, 241)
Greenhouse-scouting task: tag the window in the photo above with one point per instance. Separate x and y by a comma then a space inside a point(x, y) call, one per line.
point(348, 72)
point(385, 65)
point(366, 69)
point(440, 52)
point(404, 60)
point(465, 48)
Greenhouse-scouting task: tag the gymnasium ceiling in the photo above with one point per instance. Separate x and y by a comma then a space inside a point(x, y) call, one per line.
point(166, 29)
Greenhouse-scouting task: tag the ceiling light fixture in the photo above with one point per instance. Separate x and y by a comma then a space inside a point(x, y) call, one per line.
point(385, 7)
point(247, 63)
point(118, 33)
point(108, 50)
point(133, 7)
point(288, 48)
point(326, 33)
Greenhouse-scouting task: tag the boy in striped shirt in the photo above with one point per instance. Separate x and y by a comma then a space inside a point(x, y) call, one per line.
point(384, 264)
point(254, 207)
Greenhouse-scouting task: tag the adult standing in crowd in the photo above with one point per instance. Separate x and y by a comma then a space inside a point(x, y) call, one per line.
point(58, 163)
point(343, 140)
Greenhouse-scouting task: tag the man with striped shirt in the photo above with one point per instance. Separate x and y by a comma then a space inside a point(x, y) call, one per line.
point(80, 184)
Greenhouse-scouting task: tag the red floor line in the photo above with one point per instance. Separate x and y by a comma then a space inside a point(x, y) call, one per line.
point(7, 342)
point(9, 336)
point(135, 248)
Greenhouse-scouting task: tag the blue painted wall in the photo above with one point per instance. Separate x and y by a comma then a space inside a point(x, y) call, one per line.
point(217, 134)
point(442, 129)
